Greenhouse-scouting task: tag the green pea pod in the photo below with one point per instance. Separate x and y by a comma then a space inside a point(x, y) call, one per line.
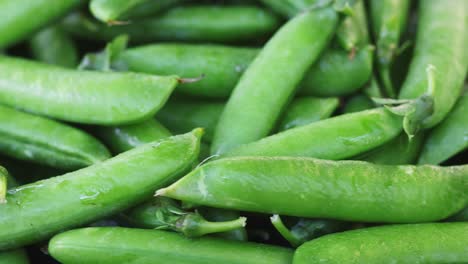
point(82, 96)
point(352, 32)
point(357, 103)
point(449, 137)
point(222, 66)
point(53, 45)
point(192, 23)
point(48, 142)
point(343, 190)
point(330, 75)
point(290, 8)
point(126, 245)
point(39, 210)
point(114, 11)
point(123, 138)
point(307, 110)
point(20, 18)
point(17, 256)
point(298, 41)
point(335, 138)
point(416, 243)
point(183, 116)
point(388, 21)
point(442, 46)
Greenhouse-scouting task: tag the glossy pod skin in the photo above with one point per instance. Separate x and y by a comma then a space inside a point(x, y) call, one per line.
point(111, 11)
point(306, 110)
point(39, 210)
point(343, 190)
point(443, 45)
point(52, 45)
point(449, 137)
point(20, 18)
point(123, 138)
point(192, 23)
point(17, 256)
point(299, 41)
point(357, 133)
point(129, 245)
point(82, 96)
point(405, 244)
point(48, 142)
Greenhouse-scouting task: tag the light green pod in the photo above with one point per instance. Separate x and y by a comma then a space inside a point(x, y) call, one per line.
point(53, 45)
point(123, 138)
point(266, 80)
point(20, 18)
point(343, 190)
point(449, 137)
point(39, 210)
point(17, 256)
point(109, 245)
point(104, 98)
point(335, 138)
point(402, 244)
point(48, 142)
point(306, 110)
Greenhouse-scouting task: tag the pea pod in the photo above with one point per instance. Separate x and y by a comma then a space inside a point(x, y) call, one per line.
point(416, 243)
point(21, 18)
point(335, 138)
point(299, 41)
point(123, 138)
point(224, 24)
point(52, 45)
point(290, 8)
point(306, 110)
point(343, 190)
point(39, 210)
point(48, 142)
point(449, 137)
point(442, 46)
point(17, 256)
point(352, 32)
point(82, 96)
point(113, 11)
point(125, 245)
point(388, 21)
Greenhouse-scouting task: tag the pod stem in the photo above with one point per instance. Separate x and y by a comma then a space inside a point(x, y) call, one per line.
point(284, 231)
point(194, 225)
point(386, 81)
point(3, 188)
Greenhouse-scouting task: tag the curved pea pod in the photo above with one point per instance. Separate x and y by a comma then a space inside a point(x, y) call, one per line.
point(300, 41)
point(220, 66)
point(48, 142)
point(357, 103)
point(39, 210)
point(191, 23)
point(113, 11)
point(20, 18)
point(442, 45)
point(335, 138)
point(416, 243)
point(352, 32)
point(331, 75)
point(123, 138)
point(53, 45)
point(306, 110)
point(82, 96)
point(449, 137)
point(17, 256)
point(343, 190)
point(183, 116)
point(126, 245)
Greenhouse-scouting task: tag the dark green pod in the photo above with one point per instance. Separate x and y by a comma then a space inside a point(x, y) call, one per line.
point(405, 244)
point(53, 45)
point(343, 190)
point(357, 103)
point(109, 245)
point(48, 142)
point(82, 96)
point(17, 256)
point(39, 210)
point(123, 138)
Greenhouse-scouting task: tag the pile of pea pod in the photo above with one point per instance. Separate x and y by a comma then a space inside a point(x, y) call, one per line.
point(233, 131)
